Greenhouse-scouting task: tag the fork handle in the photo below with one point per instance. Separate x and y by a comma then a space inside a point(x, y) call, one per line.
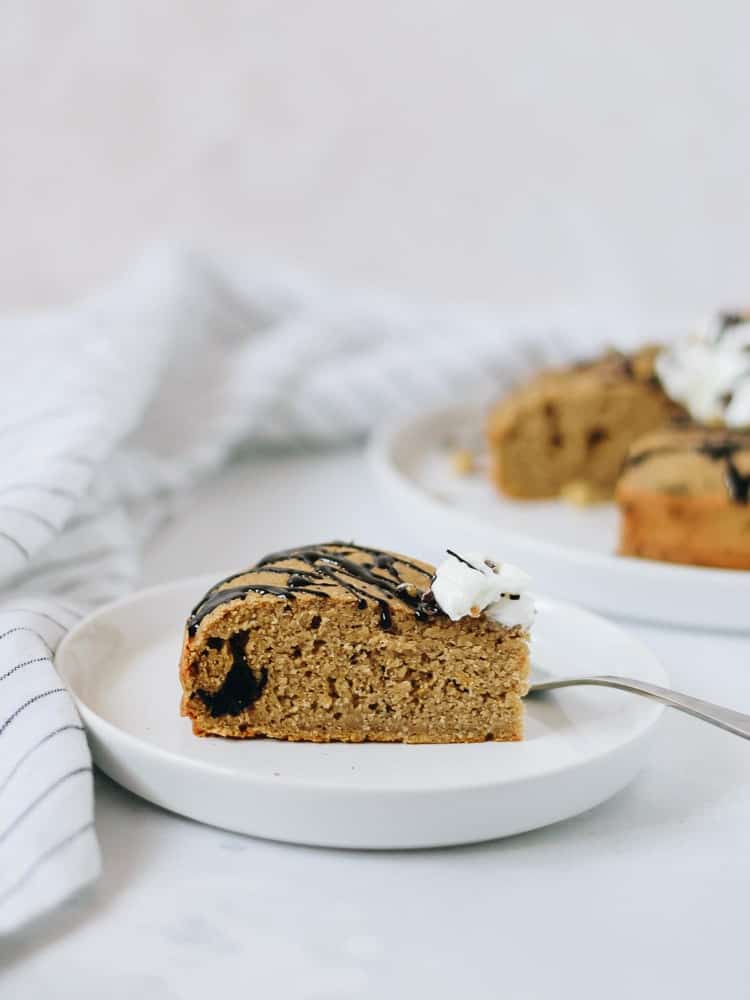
point(725, 718)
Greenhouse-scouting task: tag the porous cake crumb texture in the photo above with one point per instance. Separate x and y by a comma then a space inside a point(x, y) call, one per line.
point(351, 666)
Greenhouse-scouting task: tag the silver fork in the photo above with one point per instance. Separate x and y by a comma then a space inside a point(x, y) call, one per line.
point(725, 718)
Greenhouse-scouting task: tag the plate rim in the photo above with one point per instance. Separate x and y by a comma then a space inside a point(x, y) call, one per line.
point(380, 448)
point(101, 727)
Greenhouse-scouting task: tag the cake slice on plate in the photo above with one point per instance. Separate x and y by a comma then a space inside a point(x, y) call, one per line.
point(340, 642)
point(684, 497)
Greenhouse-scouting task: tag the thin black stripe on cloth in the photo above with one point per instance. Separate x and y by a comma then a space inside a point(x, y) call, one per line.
point(22, 664)
point(39, 614)
point(41, 859)
point(27, 704)
point(70, 727)
point(26, 628)
point(40, 790)
point(28, 512)
point(16, 822)
point(15, 543)
point(59, 491)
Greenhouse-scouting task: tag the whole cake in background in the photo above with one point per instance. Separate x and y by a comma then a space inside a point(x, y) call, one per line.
point(341, 642)
point(666, 430)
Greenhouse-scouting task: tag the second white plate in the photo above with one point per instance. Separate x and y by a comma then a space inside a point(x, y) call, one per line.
point(582, 745)
point(570, 551)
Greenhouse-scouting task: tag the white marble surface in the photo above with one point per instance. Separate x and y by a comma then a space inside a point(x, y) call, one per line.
point(642, 896)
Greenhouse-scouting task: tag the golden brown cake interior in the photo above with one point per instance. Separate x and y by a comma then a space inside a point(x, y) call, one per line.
point(684, 497)
point(338, 642)
point(570, 429)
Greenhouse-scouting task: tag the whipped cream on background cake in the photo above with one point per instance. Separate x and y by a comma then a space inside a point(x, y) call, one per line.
point(472, 584)
point(709, 371)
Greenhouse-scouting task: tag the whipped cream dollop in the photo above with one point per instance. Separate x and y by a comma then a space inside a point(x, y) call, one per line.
point(709, 371)
point(472, 584)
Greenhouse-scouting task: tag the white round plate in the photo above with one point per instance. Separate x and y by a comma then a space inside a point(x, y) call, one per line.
point(582, 745)
point(569, 550)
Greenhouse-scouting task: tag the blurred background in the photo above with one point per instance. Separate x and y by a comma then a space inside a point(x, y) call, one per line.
point(522, 153)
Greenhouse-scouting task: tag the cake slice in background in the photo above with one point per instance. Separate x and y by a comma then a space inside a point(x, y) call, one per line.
point(684, 497)
point(569, 429)
point(341, 642)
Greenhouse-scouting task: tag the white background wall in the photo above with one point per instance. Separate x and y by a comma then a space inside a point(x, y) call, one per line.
point(519, 152)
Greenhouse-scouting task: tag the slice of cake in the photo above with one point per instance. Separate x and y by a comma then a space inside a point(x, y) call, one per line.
point(341, 642)
point(568, 430)
point(684, 497)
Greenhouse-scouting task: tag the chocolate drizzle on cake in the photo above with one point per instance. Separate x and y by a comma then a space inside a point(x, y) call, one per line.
point(643, 456)
point(375, 579)
point(626, 366)
point(738, 485)
point(241, 687)
point(716, 449)
point(726, 320)
point(462, 560)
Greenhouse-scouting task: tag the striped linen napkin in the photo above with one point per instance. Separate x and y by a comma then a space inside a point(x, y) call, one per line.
point(112, 409)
